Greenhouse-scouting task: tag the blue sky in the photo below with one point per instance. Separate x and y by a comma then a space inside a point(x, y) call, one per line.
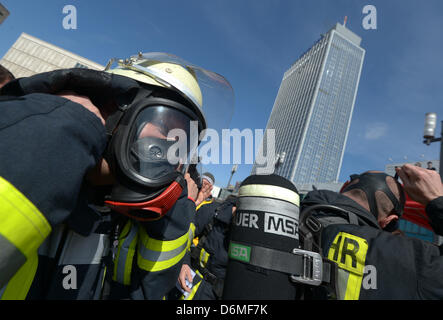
point(252, 43)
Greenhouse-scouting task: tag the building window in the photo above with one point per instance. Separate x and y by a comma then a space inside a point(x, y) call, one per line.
point(79, 65)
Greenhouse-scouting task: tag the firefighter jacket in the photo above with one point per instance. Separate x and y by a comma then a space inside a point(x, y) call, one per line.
point(48, 144)
point(372, 263)
point(209, 257)
point(149, 255)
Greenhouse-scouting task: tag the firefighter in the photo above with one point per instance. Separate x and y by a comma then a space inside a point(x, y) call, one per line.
point(204, 195)
point(111, 128)
point(203, 272)
point(354, 229)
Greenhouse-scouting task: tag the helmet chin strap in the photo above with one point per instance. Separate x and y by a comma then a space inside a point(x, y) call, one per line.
point(372, 182)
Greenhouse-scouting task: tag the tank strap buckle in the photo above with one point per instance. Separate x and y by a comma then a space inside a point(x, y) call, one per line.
point(312, 271)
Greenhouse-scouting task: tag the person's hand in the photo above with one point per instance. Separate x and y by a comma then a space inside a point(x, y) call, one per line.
point(84, 101)
point(185, 274)
point(101, 174)
point(204, 193)
point(192, 187)
point(420, 184)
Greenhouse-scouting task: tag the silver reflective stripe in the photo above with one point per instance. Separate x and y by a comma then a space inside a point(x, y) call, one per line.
point(269, 205)
point(84, 250)
point(11, 260)
point(203, 255)
point(269, 191)
point(152, 255)
point(123, 254)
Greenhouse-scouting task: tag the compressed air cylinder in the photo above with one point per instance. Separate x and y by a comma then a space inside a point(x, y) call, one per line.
point(267, 216)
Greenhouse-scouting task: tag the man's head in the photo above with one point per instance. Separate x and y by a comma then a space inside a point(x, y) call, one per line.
point(208, 179)
point(379, 193)
point(429, 164)
point(5, 76)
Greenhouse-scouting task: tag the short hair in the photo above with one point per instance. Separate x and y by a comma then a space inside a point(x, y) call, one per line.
point(384, 204)
point(5, 74)
point(209, 176)
point(429, 162)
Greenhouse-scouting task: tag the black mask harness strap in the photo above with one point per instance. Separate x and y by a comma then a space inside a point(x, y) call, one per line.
point(372, 182)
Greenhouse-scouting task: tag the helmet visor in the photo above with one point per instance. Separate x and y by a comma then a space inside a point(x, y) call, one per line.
point(159, 142)
point(217, 95)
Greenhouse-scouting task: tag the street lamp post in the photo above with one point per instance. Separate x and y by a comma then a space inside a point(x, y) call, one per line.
point(233, 170)
point(429, 135)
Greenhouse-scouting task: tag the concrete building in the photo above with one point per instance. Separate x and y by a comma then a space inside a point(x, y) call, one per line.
point(30, 55)
point(312, 113)
point(331, 186)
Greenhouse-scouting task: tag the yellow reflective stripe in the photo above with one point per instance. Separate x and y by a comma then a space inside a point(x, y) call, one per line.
point(204, 256)
point(353, 287)
point(128, 262)
point(156, 255)
point(20, 221)
point(203, 203)
point(125, 254)
point(18, 287)
point(349, 252)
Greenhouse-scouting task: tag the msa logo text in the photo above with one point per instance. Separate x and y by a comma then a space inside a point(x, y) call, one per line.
point(247, 220)
point(281, 225)
point(239, 252)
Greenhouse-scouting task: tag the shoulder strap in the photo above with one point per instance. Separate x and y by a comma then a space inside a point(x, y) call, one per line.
point(206, 231)
point(310, 228)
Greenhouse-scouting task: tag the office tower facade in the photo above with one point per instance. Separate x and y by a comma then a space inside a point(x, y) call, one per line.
point(312, 113)
point(30, 55)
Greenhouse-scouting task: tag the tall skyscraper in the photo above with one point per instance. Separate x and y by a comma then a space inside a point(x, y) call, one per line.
point(313, 109)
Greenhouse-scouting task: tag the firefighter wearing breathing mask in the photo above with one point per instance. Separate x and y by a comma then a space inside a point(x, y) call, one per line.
point(124, 143)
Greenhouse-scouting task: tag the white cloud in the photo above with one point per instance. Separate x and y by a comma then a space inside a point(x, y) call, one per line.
point(376, 130)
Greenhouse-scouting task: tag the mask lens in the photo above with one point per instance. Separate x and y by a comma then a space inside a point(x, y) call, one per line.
point(152, 137)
